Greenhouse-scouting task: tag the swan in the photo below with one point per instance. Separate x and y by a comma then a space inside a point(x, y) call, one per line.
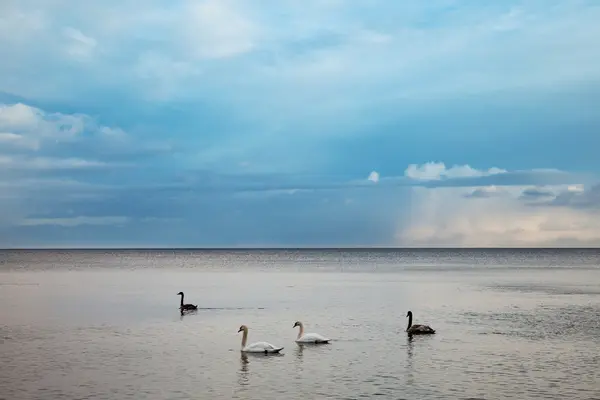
point(186, 307)
point(417, 329)
point(309, 337)
point(258, 347)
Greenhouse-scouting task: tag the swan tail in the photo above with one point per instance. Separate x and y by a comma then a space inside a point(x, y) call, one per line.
point(273, 351)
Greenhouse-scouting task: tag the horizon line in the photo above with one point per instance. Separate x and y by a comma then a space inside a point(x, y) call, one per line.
point(271, 248)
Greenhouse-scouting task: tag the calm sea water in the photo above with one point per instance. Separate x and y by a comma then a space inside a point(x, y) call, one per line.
point(520, 324)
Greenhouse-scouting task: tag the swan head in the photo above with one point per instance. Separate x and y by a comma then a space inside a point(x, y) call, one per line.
point(180, 294)
point(297, 323)
point(242, 328)
point(409, 314)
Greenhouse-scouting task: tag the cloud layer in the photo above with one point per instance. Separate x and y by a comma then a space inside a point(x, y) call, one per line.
point(232, 122)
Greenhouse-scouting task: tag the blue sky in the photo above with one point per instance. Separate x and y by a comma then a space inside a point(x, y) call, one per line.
point(299, 123)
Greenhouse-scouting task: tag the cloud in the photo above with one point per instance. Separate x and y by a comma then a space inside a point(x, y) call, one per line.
point(33, 123)
point(35, 163)
point(79, 46)
point(33, 138)
point(75, 221)
point(576, 196)
point(486, 192)
point(373, 177)
point(537, 193)
point(49, 158)
point(218, 29)
point(17, 140)
point(484, 217)
point(505, 178)
point(29, 131)
point(437, 171)
point(255, 210)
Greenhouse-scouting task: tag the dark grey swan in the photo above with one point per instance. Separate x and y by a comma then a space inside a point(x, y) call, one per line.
point(186, 307)
point(417, 329)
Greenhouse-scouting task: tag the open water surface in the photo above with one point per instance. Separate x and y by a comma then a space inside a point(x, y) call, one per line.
point(94, 324)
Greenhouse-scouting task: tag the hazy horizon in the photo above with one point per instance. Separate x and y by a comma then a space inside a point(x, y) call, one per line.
point(303, 248)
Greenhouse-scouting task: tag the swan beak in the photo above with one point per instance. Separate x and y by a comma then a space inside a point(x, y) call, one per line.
point(239, 330)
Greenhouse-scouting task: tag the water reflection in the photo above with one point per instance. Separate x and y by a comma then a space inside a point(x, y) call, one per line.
point(243, 377)
point(299, 352)
point(299, 363)
point(409, 360)
point(183, 313)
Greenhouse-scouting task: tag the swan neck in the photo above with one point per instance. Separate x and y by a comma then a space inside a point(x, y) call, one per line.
point(181, 299)
point(301, 331)
point(409, 322)
point(244, 337)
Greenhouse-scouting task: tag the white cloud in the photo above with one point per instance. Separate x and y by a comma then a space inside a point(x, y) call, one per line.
point(454, 217)
point(33, 131)
point(373, 176)
point(488, 191)
point(576, 188)
point(39, 163)
point(49, 183)
point(374, 38)
point(471, 44)
point(19, 25)
point(37, 149)
point(79, 46)
point(218, 29)
point(75, 221)
point(19, 116)
point(17, 140)
point(437, 171)
point(33, 122)
point(166, 77)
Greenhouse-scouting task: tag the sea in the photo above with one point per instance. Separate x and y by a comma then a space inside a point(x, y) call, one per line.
point(105, 324)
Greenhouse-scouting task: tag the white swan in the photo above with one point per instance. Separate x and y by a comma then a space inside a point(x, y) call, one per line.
point(258, 347)
point(309, 337)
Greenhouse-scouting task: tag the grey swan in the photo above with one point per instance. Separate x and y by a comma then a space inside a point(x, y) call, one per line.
point(417, 329)
point(186, 307)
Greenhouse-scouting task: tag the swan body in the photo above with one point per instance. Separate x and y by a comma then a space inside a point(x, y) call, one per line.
point(314, 338)
point(417, 329)
point(186, 307)
point(257, 347)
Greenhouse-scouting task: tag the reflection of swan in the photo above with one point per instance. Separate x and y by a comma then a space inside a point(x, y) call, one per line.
point(258, 347)
point(186, 307)
point(417, 329)
point(243, 378)
point(309, 337)
point(409, 362)
point(244, 365)
point(299, 351)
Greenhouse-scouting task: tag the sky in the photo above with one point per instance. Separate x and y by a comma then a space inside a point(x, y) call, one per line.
point(238, 123)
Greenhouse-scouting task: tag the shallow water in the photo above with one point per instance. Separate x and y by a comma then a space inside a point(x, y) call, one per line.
point(520, 324)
